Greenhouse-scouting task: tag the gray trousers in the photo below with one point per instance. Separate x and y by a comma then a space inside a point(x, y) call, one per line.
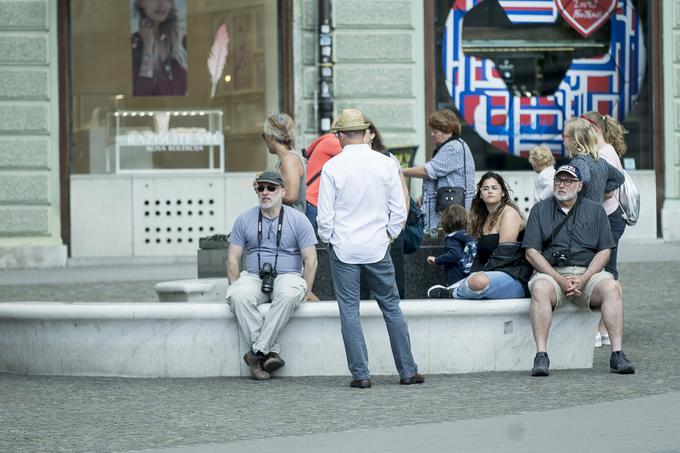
point(261, 332)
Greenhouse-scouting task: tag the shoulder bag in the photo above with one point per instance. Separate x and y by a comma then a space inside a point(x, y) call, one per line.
point(447, 195)
point(629, 199)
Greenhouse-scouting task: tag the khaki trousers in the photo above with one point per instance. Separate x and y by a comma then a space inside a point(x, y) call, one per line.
point(261, 332)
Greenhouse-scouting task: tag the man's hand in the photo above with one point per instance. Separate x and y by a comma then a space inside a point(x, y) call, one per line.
point(568, 287)
point(431, 260)
point(578, 283)
point(311, 297)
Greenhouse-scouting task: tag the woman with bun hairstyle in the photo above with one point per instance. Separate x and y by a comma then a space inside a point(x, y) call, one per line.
point(279, 137)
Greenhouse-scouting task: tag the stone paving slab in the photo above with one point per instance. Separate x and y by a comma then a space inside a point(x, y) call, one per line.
point(648, 424)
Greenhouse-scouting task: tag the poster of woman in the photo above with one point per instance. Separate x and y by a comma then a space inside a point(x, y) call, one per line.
point(159, 55)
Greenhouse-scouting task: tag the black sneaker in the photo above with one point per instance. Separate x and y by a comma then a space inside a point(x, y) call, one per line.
point(619, 364)
point(541, 365)
point(439, 292)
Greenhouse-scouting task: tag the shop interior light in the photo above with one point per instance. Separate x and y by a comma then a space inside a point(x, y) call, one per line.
point(175, 113)
point(227, 78)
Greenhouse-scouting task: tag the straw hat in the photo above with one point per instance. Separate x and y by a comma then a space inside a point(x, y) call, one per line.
point(350, 120)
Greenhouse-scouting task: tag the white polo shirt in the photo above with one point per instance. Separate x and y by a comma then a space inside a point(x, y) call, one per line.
point(361, 204)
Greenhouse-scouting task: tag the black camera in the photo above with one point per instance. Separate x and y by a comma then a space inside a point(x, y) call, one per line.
point(559, 259)
point(267, 274)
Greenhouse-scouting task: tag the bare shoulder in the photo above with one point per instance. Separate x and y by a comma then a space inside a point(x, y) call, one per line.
point(290, 161)
point(510, 217)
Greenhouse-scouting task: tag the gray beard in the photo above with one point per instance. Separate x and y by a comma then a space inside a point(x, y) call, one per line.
point(567, 197)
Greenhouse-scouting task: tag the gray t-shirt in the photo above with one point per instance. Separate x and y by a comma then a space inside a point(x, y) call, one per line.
point(296, 234)
point(585, 233)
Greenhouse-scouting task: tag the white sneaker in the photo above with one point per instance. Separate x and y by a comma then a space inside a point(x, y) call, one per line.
point(605, 339)
point(598, 340)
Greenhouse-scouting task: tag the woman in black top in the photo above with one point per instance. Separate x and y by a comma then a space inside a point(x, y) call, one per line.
point(500, 270)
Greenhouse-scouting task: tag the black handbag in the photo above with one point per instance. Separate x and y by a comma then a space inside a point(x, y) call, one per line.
point(447, 196)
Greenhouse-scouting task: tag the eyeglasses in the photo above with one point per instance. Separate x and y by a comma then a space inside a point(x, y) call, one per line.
point(270, 188)
point(566, 182)
point(490, 188)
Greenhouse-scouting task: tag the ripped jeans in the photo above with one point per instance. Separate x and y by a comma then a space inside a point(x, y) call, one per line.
point(501, 286)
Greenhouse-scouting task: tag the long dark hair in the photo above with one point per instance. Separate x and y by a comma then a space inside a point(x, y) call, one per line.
point(170, 28)
point(478, 210)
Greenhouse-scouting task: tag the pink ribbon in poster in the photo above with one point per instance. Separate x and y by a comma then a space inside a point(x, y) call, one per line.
point(586, 16)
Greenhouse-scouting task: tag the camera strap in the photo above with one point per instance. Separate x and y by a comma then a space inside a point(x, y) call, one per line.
point(559, 227)
point(278, 237)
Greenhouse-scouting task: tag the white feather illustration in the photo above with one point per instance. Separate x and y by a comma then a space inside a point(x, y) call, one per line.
point(218, 56)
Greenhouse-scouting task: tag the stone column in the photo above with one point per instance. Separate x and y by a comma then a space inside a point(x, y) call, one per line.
point(30, 232)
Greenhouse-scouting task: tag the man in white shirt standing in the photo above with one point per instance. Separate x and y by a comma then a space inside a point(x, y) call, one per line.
point(361, 209)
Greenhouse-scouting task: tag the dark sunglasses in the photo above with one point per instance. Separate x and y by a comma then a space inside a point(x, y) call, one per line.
point(270, 188)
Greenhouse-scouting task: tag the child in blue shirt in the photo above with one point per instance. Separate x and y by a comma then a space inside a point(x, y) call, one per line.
point(454, 222)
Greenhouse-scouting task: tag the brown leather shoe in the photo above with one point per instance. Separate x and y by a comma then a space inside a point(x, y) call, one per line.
point(415, 379)
point(360, 383)
point(255, 364)
point(273, 362)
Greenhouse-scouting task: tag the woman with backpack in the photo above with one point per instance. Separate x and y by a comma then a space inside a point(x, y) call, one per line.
point(499, 270)
point(611, 146)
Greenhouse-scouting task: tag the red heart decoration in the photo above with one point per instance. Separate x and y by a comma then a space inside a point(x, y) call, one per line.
point(586, 16)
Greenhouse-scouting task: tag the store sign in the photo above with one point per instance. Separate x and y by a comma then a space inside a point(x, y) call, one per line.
point(171, 141)
point(586, 16)
point(609, 84)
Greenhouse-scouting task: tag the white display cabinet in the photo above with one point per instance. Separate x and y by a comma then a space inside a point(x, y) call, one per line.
point(166, 141)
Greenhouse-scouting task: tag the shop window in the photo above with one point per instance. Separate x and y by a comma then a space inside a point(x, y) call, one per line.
point(143, 98)
point(532, 60)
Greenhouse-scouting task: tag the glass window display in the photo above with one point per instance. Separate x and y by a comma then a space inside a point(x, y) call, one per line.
point(109, 76)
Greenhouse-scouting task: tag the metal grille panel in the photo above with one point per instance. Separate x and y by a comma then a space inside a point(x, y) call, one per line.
point(171, 214)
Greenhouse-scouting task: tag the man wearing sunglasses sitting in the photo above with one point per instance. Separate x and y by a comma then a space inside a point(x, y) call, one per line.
point(280, 265)
point(568, 242)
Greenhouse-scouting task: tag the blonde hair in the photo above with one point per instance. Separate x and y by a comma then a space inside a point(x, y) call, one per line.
point(584, 138)
point(541, 156)
point(612, 131)
point(281, 128)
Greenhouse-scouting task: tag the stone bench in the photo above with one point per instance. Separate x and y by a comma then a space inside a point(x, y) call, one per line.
point(171, 339)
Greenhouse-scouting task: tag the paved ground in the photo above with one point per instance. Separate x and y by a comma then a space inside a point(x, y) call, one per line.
point(497, 411)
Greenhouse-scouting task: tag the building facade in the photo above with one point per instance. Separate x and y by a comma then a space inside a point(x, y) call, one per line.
point(92, 166)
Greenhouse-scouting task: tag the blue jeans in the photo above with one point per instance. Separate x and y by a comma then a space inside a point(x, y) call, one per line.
point(397, 255)
point(311, 211)
point(501, 286)
point(380, 277)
